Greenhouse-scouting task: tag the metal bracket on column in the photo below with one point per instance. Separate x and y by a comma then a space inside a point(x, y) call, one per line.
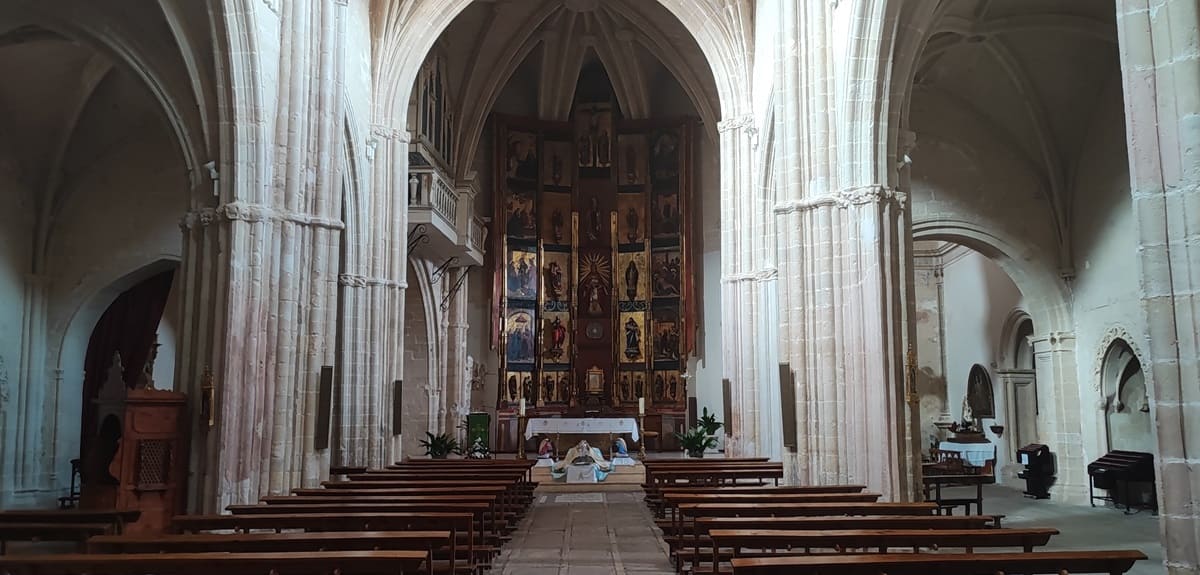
point(454, 289)
point(442, 268)
point(416, 237)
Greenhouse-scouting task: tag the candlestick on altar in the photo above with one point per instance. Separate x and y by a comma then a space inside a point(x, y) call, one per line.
point(641, 406)
point(641, 432)
point(522, 421)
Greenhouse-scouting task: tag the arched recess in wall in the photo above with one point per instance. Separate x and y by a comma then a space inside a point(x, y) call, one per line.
point(123, 345)
point(420, 360)
point(980, 395)
point(1128, 425)
point(1018, 379)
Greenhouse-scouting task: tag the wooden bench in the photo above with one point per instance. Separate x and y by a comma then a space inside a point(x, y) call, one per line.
point(460, 526)
point(697, 533)
point(118, 518)
point(728, 544)
point(1052, 562)
point(482, 511)
point(430, 542)
point(697, 510)
point(672, 500)
point(316, 563)
point(654, 499)
point(72, 532)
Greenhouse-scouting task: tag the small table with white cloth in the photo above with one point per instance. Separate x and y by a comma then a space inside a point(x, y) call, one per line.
point(558, 426)
point(973, 454)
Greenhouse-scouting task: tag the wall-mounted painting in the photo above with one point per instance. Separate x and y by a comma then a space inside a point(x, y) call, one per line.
point(667, 386)
point(520, 331)
point(665, 216)
point(664, 157)
point(521, 216)
point(518, 384)
point(665, 273)
point(522, 274)
point(666, 334)
point(521, 158)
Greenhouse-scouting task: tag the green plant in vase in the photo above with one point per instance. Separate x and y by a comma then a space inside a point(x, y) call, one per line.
point(708, 421)
point(695, 441)
point(439, 446)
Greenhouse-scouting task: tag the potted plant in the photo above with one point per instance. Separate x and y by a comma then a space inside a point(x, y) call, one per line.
point(709, 422)
point(439, 446)
point(695, 441)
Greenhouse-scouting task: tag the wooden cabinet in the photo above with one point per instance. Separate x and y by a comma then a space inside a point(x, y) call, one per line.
point(151, 461)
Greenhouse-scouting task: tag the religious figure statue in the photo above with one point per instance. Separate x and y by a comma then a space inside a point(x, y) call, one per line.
point(674, 387)
point(631, 167)
point(558, 339)
point(585, 151)
point(625, 387)
point(619, 448)
point(512, 388)
point(556, 169)
point(583, 456)
point(556, 222)
point(594, 306)
point(967, 416)
point(631, 221)
point(546, 449)
point(658, 385)
point(633, 337)
point(602, 149)
point(547, 388)
point(631, 280)
point(639, 385)
point(594, 220)
point(554, 281)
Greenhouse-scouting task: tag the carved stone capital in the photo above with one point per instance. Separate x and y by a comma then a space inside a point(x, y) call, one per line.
point(736, 123)
point(846, 198)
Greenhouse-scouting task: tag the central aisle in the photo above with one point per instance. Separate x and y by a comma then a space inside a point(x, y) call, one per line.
point(590, 533)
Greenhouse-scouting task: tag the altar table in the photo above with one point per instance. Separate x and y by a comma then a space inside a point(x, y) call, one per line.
point(582, 426)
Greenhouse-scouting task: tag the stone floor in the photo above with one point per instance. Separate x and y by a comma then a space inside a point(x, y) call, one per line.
point(612, 532)
point(594, 533)
point(1081, 527)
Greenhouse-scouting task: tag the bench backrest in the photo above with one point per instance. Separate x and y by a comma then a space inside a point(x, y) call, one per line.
point(1109, 562)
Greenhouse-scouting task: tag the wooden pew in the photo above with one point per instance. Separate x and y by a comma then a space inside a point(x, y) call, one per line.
point(802, 542)
point(672, 500)
point(655, 500)
point(654, 495)
point(698, 532)
point(430, 542)
point(1052, 562)
point(73, 532)
point(460, 525)
point(480, 509)
point(118, 518)
point(315, 563)
point(696, 510)
point(506, 501)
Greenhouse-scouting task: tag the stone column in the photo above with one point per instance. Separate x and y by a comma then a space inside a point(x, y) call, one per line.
point(458, 384)
point(1161, 76)
point(746, 321)
point(1059, 427)
point(260, 266)
point(842, 256)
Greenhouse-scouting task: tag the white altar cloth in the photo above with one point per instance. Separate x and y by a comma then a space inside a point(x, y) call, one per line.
point(582, 426)
point(975, 454)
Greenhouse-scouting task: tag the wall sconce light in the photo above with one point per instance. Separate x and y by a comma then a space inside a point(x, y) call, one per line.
point(997, 429)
